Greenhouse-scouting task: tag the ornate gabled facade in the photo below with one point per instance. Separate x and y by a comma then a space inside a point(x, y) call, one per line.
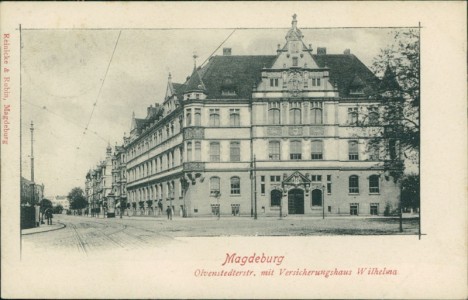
point(98, 187)
point(272, 134)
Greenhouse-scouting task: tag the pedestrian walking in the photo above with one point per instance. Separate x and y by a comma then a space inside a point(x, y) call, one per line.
point(49, 216)
point(169, 213)
point(160, 207)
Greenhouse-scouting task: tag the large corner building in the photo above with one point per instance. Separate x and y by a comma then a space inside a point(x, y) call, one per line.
point(261, 133)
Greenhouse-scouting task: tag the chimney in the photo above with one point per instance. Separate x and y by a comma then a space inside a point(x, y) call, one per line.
point(321, 50)
point(347, 52)
point(227, 51)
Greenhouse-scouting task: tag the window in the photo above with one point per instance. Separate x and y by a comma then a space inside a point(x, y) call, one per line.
point(316, 113)
point(214, 151)
point(197, 117)
point(214, 117)
point(295, 61)
point(306, 80)
point(295, 113)
point(353, 184)
point(197, 151)
point(317, 150)
point(214, 185)
point(354, 209)
point(275, 197)
point(215, 209)
point(274, 150)
point(353, 152)
point(273, 81)
point(329, 184)
point(274, 116)
point(352, 115)
point(316, 82)
point(393, 150)
point(274, 113)
point(316, 178)
point(374, 152)
point(262, 185)
point(235, 186)
point(235, 208)
point(374, 209)
point(317, 197)
point(189, 151)
point(295, 150)
point(188, 118)
point(373, 115)
point(374, 187)
point(234, 117)
point(235, 151)
point(275, 178)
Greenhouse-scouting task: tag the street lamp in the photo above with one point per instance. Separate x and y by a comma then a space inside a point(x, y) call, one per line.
point(323, 201)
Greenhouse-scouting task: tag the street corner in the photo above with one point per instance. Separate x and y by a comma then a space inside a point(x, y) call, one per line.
point(43, 228)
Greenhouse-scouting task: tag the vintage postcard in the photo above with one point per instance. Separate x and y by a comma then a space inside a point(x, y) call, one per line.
point(234, 150)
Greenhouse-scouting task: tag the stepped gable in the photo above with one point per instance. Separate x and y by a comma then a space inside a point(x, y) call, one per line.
point(346, 70)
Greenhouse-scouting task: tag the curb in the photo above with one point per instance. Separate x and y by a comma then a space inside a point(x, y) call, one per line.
point(62, 227)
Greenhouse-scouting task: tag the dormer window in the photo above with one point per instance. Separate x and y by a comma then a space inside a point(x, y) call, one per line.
point(356, 91)
point(228, 88)
point(197, 96)
point(274, 82)
point(316, 82)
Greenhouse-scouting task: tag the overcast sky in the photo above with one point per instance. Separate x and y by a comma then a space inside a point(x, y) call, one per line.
point(63, 71)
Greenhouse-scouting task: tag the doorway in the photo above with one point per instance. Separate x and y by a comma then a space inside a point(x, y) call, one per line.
point(296, 202)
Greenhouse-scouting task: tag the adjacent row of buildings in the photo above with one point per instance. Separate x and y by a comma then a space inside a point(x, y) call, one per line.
point(286, 132)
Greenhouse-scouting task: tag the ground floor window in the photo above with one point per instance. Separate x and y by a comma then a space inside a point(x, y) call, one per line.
point(374, 209)
point(276, 198)
point(329, 209)
point(215, 209)
point(235, 208)
point(317, 197)
point(354, 209)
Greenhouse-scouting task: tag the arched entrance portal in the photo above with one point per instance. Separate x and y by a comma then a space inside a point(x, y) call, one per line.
point(317, 197)
point(296, 202)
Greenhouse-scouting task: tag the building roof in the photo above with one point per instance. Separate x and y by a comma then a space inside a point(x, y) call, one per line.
point(345, 71)
point(240, 73)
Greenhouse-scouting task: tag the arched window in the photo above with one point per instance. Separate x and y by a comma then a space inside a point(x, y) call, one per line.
point(214, 151)
point(197, 117)
point(316, 116)
point(295, 116)
point(275, 197)
point(352, 115)
point(235, 185)
point(374, 184)
point(353, 184)
point(274, 116)
point(234, 117)
point(373, 116)
point(214, 185)
point(197, 151)
point(214, 117)
point(274, 150)
point(188, 118)
point(235, 151)
point(295, 151)
point(189, 151)
point(317, 150)
point(353, 151)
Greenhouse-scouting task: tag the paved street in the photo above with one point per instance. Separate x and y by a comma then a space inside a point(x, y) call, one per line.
point(87, 235)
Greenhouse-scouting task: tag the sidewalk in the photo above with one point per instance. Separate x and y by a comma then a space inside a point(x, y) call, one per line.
point(42, 228)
